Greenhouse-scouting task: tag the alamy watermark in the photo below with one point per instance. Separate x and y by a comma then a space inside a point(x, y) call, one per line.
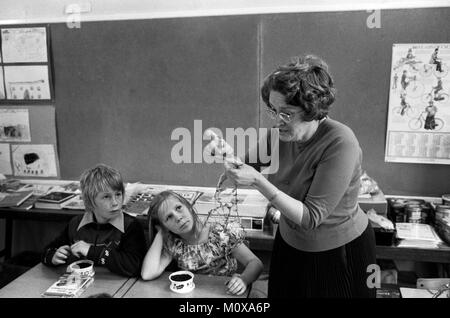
point(189, 148)
point(374, 19)
point(374, 278)
point(74, 18)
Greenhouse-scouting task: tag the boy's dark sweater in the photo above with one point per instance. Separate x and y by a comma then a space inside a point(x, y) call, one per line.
point(121, 253)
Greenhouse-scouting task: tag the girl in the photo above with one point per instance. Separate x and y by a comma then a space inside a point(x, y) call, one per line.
point(205, 249)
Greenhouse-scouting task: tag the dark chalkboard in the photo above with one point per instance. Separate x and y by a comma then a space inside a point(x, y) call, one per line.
point(122, 87)
point(360, 60)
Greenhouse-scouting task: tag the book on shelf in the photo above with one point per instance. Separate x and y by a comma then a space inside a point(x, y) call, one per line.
point(53, 200)
point(75, 203)
point(139, 203)
point(27, 204)
point(69, 285)
point(14, 199)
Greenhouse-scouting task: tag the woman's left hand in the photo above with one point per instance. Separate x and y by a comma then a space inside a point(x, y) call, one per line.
point(236, 286)
point(241, 174)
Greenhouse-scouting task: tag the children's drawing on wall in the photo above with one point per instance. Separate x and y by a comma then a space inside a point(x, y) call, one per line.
point(34, 160)
point(2, 86)
point(419, 105)
point(5, 159)
point(14, 125)
point(27, 82)
point(24, 45)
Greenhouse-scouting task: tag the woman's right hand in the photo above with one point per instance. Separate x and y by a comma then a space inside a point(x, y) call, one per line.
point(61, 255)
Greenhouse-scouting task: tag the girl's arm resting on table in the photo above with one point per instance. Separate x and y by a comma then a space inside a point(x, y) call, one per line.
point(253, 265)
point(156, 260)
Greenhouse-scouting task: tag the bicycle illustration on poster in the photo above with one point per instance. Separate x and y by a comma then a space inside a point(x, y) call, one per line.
point(418, 127)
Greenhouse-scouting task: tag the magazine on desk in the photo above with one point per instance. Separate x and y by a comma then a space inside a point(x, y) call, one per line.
point(14, 199)
point(417, 235)
point(139, 203)
point(75, 203)
point(69, 285)
point(53, 200)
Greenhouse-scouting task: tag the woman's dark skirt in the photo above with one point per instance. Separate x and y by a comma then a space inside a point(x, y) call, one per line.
point(337, 273)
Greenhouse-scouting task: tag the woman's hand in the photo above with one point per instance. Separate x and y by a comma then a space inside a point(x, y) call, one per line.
point(273, 214)
point(240, 173)
point(236, 286)
point(61, 254)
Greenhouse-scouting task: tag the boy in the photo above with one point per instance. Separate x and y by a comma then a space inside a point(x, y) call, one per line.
point(103, 234)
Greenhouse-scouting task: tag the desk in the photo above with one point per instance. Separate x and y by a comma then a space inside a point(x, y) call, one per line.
point(206, 286)
point(35, 281)
point(439, 255)
point(261, 241)
point(34, 214)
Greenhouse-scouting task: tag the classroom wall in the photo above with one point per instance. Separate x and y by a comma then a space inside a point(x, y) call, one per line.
point(360, 59)
point(122, 87)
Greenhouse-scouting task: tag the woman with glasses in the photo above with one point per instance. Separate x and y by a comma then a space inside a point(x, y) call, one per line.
point(324, 244)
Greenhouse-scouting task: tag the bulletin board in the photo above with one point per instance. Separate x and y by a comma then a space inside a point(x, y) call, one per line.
point(25, 64)
point(28, 146)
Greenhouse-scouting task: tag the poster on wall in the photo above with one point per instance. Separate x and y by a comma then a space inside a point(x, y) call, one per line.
point(27, 82)
point(34, 160)
point(24, 45)
point(14, 125)
point(418, 129)
point(5, 161)
point(25, 65)
point(2, 86)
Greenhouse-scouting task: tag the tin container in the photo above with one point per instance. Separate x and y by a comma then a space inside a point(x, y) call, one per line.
point(446, 199)
point(397, 211)
point(417, 211)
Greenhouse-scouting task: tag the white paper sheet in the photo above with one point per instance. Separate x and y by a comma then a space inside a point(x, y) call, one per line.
point(414, 93)
point(34, 160)
point(27, 82)
point(24, 45)
point(14, 125)
point(5, 161)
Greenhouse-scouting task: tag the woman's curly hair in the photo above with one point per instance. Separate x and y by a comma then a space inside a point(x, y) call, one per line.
point(306, 83)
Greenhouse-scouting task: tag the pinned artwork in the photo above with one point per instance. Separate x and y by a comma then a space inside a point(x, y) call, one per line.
point(24, 45)
point(5, 161)
point(2, 86)
point(14, 125)
point(27, 82)
point(34, 160)
point(418, 126)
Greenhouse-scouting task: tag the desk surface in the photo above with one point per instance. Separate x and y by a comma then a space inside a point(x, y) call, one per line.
point(35, 281)
point(206, 286)
point(262, 241)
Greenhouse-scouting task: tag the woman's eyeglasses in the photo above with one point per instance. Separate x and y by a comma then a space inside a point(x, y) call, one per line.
point(273, 114)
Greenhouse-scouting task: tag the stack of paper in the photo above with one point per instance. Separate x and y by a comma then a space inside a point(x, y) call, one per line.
point(417, 235)
point(69, 285)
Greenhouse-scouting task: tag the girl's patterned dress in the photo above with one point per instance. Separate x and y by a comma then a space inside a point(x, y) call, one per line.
point(211, 257)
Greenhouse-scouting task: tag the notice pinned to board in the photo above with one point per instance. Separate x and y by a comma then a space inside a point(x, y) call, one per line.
point(34, 160)
point(418, 129)
point(14, 125)
point(5, 162)
point(24, 45)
